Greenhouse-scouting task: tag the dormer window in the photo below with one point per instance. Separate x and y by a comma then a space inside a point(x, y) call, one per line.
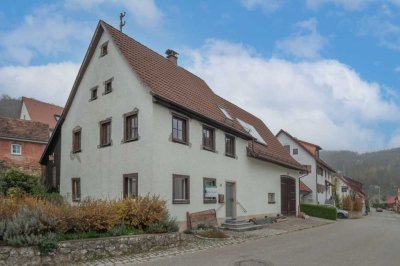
point(104, 49)
point(252, 131)
point(108, 86)
point(56, 117)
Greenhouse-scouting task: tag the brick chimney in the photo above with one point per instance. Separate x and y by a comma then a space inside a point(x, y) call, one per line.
point(172, 56)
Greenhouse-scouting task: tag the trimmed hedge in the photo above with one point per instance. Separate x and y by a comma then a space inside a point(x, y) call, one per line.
point(320, 211)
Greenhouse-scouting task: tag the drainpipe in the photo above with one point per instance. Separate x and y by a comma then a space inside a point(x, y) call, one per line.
point(316, 184)
point(300, 177)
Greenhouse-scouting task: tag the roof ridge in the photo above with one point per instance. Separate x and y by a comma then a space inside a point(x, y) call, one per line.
point(36, 100)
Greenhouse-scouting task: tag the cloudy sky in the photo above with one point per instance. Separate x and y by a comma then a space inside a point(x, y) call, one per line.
point(327, 71)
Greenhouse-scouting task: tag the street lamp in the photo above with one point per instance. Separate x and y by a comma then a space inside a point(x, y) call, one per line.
point(379, 193)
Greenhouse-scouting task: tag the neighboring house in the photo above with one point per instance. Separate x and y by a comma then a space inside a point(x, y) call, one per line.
point(317, 184)
point(137, 123)
point(38, 111)
point(390, 202)
point(22, 144)
point(10, 107)
point(347, 186)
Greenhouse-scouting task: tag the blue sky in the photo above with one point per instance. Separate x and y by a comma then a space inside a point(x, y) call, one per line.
point(328, 71)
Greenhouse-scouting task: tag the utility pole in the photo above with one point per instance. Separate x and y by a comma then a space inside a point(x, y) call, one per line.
point(379, 193)
point(121, 21)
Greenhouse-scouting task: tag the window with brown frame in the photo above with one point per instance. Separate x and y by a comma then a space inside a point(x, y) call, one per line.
point(131, 126)
point(208, 138)
point(320, 171)
point(108, 86)
point(209, 183)
point(105, 133)
point(287, 147)
point(93, 93)
point(104, 49)
point(230, 146)
point(180, 189)
point(76, 140)
point(295, 151)
point(76, 189)
point(179, 129)
point(130, 185)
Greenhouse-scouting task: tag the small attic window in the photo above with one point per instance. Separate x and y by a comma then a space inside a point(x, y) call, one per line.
point(56, 117)
point(104, 49)
point(223, 110)
point(252, 131)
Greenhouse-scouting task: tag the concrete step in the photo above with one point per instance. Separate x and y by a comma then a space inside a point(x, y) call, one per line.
point(234, 221)
point(236, 225)
point(244, 228)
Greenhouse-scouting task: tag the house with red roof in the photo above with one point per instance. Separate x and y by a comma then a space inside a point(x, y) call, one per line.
point(34, 110)
point(22, 144)
point(346, 186)
point(136, 123)
point(316, 185)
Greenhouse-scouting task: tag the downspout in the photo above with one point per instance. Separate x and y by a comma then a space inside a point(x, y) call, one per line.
point(316, 184)
point(300, 177)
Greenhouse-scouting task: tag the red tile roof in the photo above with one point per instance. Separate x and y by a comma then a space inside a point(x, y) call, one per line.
point(304, 187)
point(177, 85)
point(13, 128)
point(42, 112)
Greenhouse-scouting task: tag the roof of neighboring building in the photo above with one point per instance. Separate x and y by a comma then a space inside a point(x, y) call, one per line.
point(304, 187)
point(10, 107)
point(173, 85)
point(42, 112)
point(310, 148)
point(355, 185)
point(13, 128)
point(391, 200)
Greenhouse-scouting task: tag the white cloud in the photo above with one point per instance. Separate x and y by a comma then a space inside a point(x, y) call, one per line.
point(323, 101)
point(144, 12)
point(267, 6)
point(346, 4)
point(305, 43)
point(44, 32)
point(50, 83)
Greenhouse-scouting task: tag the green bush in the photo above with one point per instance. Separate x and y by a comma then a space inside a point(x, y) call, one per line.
point(165, 225)
point(326, 212)
point(16, 179)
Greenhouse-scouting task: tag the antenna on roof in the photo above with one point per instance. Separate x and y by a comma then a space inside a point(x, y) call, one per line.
point(121, 21)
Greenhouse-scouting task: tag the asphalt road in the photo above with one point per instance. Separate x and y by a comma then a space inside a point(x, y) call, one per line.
point(372, 240)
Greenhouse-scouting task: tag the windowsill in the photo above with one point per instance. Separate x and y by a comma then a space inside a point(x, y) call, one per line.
point(230, 155)
point(209, 201)
point(107, 92)
point(175, 201)
point(78, 151)
point(104, 145)
point(16, 154)
point(271, 202)
point(130, 140)
point(92, 99)
point(180, 141)
point(209, 149)
point(76, 200)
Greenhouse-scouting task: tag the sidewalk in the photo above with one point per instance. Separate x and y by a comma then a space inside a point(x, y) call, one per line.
point(193, 244)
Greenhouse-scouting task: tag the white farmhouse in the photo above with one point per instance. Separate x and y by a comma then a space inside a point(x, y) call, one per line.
point(137, 123)
point(316, 186)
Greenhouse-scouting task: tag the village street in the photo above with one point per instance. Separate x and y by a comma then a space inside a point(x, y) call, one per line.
point(371, 240)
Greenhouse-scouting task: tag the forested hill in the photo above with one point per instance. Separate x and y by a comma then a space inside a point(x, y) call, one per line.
point(373, 168)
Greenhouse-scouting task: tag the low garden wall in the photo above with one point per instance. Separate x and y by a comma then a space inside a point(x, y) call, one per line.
point(355, 215)
point(83, 250)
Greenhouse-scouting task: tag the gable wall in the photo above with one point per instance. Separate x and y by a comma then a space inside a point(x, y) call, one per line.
point(24, 112)
point(101, 169)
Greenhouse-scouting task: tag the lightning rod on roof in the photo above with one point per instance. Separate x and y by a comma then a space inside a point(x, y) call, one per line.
point(121, 21)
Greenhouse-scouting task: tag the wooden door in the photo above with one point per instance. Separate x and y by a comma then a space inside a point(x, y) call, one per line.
point(288, 196)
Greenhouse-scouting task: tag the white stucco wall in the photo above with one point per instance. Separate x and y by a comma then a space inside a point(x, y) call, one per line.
point(24, 112)
point(154, 157)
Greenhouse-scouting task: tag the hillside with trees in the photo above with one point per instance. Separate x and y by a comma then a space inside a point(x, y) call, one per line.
point(381, 168)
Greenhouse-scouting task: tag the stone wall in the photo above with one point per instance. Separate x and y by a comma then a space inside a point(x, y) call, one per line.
point(83, 250)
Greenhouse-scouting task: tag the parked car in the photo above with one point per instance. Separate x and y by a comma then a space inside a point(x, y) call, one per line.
point(341, 214)
point(379, 210)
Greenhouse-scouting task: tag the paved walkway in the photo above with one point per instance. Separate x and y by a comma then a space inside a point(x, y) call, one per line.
point(194, 244)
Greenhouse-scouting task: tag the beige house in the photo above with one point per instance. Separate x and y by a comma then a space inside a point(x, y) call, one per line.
point(138, 123)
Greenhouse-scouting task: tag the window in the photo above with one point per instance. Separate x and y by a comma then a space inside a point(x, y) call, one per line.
point(16, 149)
point(320, 171)
point(105, 133)
point(209, 190)
point(223, 110)
point(76, 189)
point(252, 131)
point(230, 146)
point(271, 198)
point(108, 86)
point(287, 147)
point(180, 189)
point(295, 151)
point(56, 117)
point(76, 140)
point(104, 49)
point(131, 126)
point(130, 185)
point(208, 138)
point(179, 129)
point(344, 189)
point(93, 93)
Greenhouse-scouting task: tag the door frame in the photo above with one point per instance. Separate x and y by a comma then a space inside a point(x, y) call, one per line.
point(291, 179)
point(234, 203)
